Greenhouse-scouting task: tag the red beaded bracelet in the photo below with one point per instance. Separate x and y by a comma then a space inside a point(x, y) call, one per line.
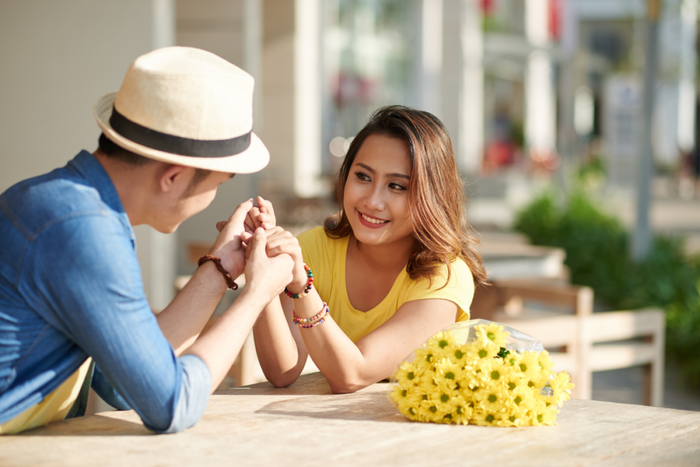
point(307, 288)
point(301, 321)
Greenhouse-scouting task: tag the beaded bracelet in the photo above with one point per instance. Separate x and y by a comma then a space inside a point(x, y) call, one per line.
point(307, 288)
point(320, 314)
point(311, 322)
point(230, 283)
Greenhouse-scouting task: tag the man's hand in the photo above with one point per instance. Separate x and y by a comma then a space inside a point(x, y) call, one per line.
point(229, 243)
point(266, 277)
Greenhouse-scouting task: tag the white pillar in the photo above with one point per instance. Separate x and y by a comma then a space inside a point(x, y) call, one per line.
point(540, 127)
point(163, 23)
point(156, 251)
point(471, 92)
point(252, 53)
point(686, 79)
point(429, 55)
point(307, 98)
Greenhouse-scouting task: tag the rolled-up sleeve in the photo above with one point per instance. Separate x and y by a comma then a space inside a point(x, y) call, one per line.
point(96, 299)
point(194, 395)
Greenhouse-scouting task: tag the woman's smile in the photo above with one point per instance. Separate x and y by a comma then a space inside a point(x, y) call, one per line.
point(372, 221)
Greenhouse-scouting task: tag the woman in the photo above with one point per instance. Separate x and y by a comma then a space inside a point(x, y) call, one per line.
point(394, 266)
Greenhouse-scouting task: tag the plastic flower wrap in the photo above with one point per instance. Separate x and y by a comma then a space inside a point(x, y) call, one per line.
point(483, 373)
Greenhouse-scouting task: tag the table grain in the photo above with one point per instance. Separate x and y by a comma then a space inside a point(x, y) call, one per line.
point(305, 424)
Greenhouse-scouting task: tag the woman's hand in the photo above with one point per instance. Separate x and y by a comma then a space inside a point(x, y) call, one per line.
point(266, 274)
point(262, 215)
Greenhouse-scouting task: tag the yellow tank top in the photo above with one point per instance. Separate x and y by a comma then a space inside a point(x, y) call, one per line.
point(53, 408)
point(326, 258)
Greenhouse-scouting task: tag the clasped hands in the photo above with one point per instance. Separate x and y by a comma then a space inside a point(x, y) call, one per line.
point(251, 242)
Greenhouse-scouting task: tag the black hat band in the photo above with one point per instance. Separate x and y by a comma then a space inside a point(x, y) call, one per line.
point(175, 144)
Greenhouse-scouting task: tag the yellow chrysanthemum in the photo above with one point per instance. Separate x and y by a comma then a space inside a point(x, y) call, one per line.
point(448, 373)
point(561, 388)
point(431, 410)
point(549, 415)
point(405, 399)
point(460, 410)
point(491, 401)
point(478, 351)
point(428, 379)
point(541, 414)
point(458, 355)
point(492, 334)
point(441, 344)
point(484, 418)
point(407, 373)
point(529, 366)
point(424, 358)
point(512, 360)
point(546, 363)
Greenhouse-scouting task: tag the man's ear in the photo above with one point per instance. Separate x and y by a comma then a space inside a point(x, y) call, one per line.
point(173, 177)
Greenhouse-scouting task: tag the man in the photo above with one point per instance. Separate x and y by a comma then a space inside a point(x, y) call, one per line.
point(70, 284)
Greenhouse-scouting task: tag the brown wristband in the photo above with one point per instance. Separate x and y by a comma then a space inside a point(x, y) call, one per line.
point(217, 262)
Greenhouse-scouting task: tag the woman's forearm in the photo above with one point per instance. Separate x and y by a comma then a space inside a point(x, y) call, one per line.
point(280, 357)
point(334, 353)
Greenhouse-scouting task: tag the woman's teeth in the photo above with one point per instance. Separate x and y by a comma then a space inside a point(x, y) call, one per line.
point(373, 221)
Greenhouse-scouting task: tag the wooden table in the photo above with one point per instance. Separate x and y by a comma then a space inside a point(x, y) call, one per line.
point(307, 425)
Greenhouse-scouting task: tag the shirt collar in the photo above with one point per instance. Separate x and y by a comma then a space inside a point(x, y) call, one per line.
point(88, 166)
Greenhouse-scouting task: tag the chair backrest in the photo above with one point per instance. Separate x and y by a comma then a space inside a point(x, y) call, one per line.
point(510, 296)
point(622, 339)
point(559, 336)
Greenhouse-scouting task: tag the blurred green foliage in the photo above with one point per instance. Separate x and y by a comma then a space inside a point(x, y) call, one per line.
point(597, 250)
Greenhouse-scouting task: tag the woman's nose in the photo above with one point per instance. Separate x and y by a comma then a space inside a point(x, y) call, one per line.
point(375, 199)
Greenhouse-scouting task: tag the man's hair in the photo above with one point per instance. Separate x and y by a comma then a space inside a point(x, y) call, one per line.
point(112, 150)
point(118, 153)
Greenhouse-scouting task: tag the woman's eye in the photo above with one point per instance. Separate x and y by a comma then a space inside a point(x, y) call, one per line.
point(396, 186)
point(362, 176)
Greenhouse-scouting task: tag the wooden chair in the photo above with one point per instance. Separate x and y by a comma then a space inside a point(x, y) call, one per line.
point(506, 299)
point(581, 342)
point(622, 339)
point(546, 309)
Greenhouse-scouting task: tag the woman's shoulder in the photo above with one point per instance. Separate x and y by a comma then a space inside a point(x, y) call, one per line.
point(458, 271)
point(457, 277)
point(455, 284)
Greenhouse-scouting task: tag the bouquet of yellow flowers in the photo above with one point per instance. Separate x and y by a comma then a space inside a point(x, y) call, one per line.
point(483, 373)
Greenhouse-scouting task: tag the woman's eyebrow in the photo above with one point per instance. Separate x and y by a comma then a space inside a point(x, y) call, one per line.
point(365, 166)
point(370, 169)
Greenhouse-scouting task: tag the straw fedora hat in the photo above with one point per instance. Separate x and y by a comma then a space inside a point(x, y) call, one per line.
point(185, 106)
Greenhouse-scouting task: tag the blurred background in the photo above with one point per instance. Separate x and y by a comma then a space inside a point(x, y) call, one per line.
point(573, 122)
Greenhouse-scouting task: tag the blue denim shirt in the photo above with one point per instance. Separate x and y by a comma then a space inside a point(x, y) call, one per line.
point(70, 287)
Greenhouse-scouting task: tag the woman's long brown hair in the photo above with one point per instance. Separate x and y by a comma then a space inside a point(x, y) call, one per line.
point(436, 199)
